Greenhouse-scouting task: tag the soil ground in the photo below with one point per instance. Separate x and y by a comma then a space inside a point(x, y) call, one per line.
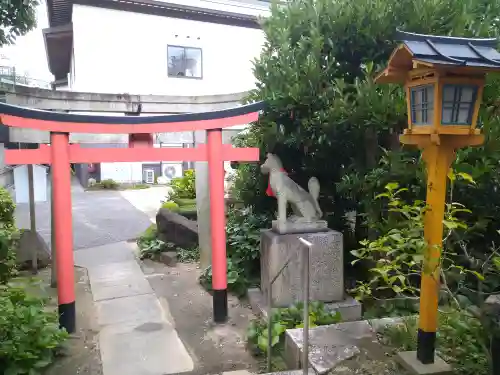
point(213, 348)
point(81, 352)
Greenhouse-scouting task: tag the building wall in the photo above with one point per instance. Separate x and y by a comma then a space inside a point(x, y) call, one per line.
point(127, 52)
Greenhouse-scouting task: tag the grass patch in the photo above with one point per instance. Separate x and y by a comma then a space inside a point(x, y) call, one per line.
point(136, 187)
point(113, 185)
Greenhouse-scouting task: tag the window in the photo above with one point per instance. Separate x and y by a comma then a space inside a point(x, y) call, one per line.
point(422, 105)
point(458, 104)
point(184, 62)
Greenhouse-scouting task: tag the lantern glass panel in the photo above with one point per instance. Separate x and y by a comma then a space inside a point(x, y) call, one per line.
point(458, 104)
point(422, 104)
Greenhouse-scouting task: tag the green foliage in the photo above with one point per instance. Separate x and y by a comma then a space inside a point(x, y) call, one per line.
point(108, 184)
point(150, 234)
point(397, 253)
point(149, 244)
point(183, 187)
point(396, 307)
point(461, 341)
point(325, 117)
point(243, 240)
point(236, 283)
point(30, 335)
point(243, 250)
point(17, 18)
point(188, 255)
point(287, 318)
point(169, 205)
point(8, 237)
point(153, 248)
point(150, 247)
point(185, 201)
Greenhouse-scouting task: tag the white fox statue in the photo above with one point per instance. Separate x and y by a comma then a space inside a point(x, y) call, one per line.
point(304, 204)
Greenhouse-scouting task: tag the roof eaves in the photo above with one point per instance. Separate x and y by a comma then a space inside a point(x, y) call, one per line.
point(459, 51)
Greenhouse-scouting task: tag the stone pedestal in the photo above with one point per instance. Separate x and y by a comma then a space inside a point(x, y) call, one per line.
point(326, 266)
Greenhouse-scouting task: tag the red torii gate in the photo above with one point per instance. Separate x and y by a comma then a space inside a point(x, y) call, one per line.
point(60, 154)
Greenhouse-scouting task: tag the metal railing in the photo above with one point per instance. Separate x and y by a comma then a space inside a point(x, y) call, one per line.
point(306, 250)
point(9, 78)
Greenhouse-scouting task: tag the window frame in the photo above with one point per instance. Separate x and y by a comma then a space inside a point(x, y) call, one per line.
point(423, 107)
point(455, 105)
point(185, 48)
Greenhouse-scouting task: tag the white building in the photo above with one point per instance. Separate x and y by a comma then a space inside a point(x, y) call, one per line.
point(186, 48)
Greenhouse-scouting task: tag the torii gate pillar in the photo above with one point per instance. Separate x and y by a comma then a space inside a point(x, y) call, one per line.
point(63, 229)
point(218, 223)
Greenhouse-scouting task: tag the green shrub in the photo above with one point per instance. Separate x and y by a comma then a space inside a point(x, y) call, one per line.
point(243, 240)
point(172, 206)
point(29, 335)
point(183, 187)
point(109, 184)
point(8, 236)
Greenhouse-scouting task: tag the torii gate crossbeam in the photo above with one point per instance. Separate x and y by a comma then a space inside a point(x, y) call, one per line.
point(60, 154)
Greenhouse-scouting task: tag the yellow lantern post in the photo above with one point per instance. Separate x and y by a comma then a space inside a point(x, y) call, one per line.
point(444, 79)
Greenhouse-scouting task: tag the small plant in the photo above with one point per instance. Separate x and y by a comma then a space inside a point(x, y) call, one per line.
point(287, 318)
point(109, 184)
point(183, 187)
point(149, 235)
point(30, 335)
point(235, 282)
point(154, 248)
point(169, 205)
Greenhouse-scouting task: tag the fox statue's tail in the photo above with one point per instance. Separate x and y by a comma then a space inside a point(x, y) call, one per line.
point(313, 186)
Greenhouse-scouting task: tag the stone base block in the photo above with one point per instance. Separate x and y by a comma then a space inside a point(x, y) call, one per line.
point(350, 309)
point(284, 227)
point(410, 362)
point(326, 266)
point(328, 345)
point(28, 242)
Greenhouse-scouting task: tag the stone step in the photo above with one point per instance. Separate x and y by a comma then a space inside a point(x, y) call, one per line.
point(331, 344)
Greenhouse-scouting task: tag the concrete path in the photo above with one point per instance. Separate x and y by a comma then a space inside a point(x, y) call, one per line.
point(99, 218)
point(147, 200)
point(137, 335)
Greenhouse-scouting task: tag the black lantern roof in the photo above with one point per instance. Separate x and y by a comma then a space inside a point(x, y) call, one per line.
point(445, 50)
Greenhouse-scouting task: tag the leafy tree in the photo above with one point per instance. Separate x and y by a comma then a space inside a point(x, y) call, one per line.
point(326, 117)
point(17, 17)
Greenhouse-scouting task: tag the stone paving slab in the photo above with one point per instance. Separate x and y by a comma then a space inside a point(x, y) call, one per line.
point(135, 351)
point(136, 336)
point(135, 309)
point(115, 280)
